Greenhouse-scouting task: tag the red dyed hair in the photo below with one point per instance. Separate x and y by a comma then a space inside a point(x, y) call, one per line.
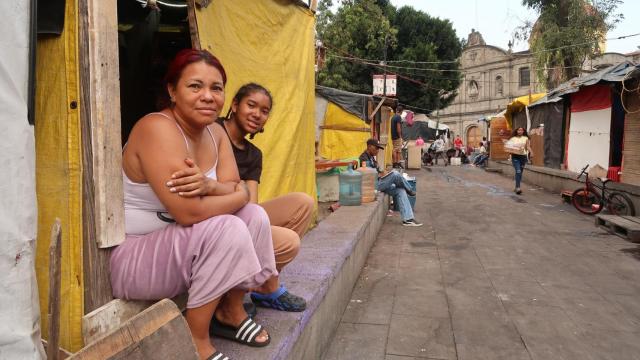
point(182, 59)
point(190, 56)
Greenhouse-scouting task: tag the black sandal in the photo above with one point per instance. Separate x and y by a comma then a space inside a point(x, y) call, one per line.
point(245, 333)
point(218, 356)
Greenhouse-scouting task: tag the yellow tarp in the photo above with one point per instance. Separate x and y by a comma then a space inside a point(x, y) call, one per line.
point(58, 174)
point(519, 104)
point(342, 144)
point(271, 43)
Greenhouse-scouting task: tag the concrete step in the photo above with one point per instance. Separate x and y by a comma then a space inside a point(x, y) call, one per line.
point(324, 273)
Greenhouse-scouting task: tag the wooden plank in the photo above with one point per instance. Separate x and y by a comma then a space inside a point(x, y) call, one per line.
point(160, 332)
point(193, 24)
point(115, 313)
point(100, 86)
point(633, 219)
point(344, 128)
point(62, 353)
point(102, 206)
point(53, 317)
point(618, 225)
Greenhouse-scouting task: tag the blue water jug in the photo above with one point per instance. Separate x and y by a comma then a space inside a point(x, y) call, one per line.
point(350, 188)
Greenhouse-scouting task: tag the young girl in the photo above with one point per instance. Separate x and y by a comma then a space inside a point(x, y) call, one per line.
point(289, 214)
point(520, 149)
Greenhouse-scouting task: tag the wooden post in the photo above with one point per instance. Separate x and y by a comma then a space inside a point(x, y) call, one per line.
point(102, 194)
point(53, 317)
point(193, 24)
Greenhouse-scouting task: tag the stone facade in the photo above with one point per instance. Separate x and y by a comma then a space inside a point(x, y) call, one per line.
point(491, 78)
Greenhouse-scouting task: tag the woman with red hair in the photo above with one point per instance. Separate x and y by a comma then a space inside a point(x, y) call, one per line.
point(214, 246)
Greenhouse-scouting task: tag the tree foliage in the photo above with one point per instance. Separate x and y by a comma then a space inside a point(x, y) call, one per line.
point(567, 33)
point(358, 29)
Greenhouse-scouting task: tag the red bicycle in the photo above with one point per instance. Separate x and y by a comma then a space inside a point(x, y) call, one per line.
point(588, 201)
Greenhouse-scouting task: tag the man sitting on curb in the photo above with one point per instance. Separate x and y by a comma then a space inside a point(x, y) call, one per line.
point(391, 183)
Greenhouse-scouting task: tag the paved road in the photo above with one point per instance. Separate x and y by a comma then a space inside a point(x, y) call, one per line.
point(493, 275)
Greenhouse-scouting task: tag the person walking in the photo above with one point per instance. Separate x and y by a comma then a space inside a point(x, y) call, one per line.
point(396, 137)
point(438, 146)
point(520, 148)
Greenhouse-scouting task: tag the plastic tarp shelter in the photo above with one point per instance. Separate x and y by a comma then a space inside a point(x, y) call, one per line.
point(348, 137)
point(19, 309)
point(271, 43)
point(353, 103)
point(614, 73)
point(550, 114)
point(518, 105)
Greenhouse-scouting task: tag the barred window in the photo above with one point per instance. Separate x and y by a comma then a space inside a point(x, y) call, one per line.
point(525, 76)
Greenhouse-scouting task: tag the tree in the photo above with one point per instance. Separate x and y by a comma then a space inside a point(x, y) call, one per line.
point(567, 33)
point(358, 29)
point(422, 38)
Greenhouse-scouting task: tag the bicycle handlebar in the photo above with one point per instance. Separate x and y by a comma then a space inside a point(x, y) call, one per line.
point(583, 171)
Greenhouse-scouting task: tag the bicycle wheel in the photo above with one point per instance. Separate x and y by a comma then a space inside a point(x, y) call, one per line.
point(620, 204)
point(586, 201)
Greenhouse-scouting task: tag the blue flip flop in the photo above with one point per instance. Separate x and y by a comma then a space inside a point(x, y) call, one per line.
point(280, 299)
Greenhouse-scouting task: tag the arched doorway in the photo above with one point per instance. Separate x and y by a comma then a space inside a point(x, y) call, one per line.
point(474, 136)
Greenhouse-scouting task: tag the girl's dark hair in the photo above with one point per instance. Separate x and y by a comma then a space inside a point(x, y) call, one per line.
point(246, 90)
point(182, 59)
point(515, 131)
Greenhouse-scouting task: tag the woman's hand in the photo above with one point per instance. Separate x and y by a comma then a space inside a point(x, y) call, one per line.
point(191, 182)
point(241, 187)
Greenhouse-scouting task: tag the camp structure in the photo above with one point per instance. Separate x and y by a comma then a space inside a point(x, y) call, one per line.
point(345, 120)
point(594, 128)
point(501, 125)
point(423, 127)
point(547, 127)
point(98, 68)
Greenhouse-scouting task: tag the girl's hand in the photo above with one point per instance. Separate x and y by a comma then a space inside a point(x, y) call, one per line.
point(191, 182)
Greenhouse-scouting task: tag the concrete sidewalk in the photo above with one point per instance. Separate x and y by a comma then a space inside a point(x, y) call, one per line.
point(493, 275)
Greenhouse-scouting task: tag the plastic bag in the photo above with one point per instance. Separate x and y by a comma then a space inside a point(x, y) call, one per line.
point(409, 118)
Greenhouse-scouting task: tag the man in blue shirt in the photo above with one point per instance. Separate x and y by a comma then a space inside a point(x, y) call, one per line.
point(391, 183)
point(396, 137)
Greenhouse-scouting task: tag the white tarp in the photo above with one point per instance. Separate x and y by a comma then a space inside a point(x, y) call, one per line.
point(19, 310)
point(589, 139)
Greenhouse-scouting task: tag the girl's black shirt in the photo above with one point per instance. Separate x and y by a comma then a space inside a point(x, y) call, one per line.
point(249, 159)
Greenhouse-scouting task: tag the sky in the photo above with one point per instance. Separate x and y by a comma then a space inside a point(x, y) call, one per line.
point(497, 19)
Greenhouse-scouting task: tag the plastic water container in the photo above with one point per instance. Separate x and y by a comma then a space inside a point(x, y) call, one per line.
point(350, 188)
point(369, 182)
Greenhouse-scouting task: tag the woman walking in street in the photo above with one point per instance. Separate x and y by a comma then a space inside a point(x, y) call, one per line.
point(520, 148)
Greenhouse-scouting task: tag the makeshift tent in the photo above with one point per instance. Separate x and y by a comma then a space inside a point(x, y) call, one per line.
point(422, 127)
point(344, 135)
point(77, 135)
point(19, 309)
point(343, 122)
point(590, 128)
point(515, 113)
point(631, 158)
point(596, 126)
point(271, 43)
point(353, 103)
point(549, 114)
point(499, 134)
